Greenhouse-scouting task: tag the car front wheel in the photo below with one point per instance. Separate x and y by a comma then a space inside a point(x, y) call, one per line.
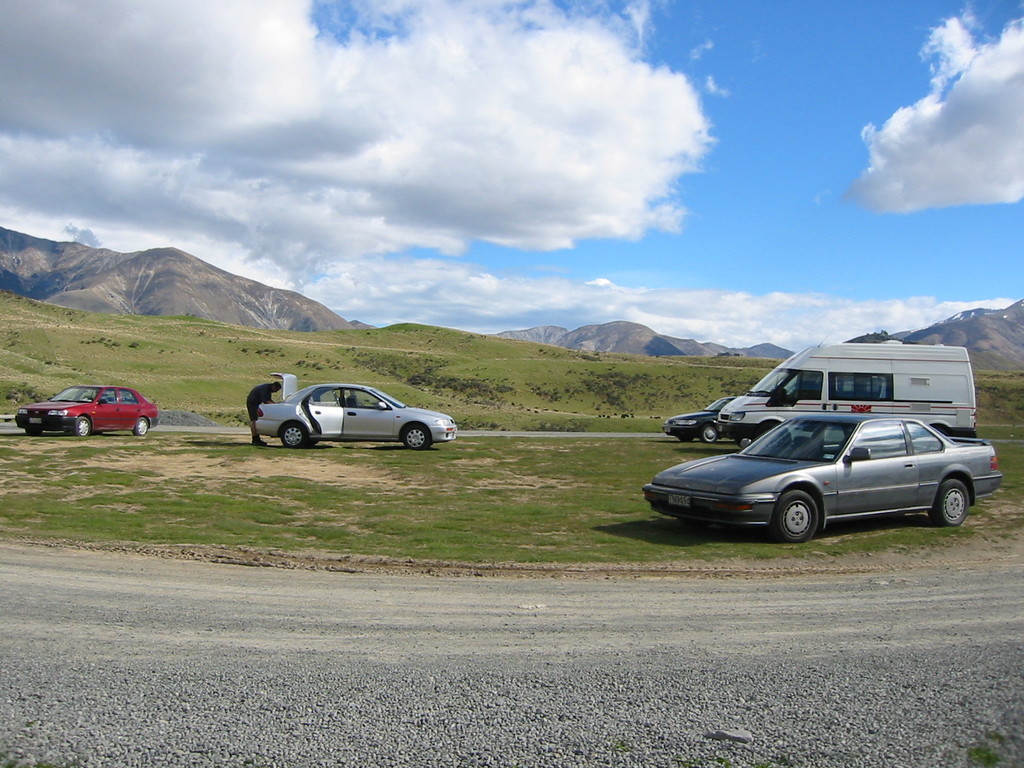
point(294, 435)
point(795, 517)
point(709, 433)
point(83, 427)
point(417, 437)
point(141, 427)
point(950, 505)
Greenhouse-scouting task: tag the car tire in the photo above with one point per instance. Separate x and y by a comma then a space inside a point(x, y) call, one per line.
point(294, 435)
point(141, 427)
point(951, 504)
point(709, 433)
point(417, 437)
point(83, 427)
point(795, 518)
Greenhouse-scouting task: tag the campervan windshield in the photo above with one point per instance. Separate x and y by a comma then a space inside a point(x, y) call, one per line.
point(772, 381)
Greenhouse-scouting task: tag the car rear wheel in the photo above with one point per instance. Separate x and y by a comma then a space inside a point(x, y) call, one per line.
point(709, 433)
point(417, 437)
point(795, 517)
point(141, 427)
point(294, 435)
point(950, 505)
point(83, 427)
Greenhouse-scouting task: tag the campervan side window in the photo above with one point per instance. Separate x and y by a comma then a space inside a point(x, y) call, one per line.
point(860, 386)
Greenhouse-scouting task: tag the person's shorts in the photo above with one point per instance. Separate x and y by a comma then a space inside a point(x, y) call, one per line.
point(252, 408)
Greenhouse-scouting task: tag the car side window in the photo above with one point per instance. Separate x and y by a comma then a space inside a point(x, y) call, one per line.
point(127, 396)
point(108, 397)
point(325, 396)
point(923, 440)
point(885, 439)
point(358, 398)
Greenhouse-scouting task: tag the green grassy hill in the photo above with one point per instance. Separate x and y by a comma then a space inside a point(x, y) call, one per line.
point(484, 382)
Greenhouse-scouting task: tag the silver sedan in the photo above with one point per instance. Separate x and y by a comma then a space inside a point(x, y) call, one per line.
point(351, 412)
point(814, 469)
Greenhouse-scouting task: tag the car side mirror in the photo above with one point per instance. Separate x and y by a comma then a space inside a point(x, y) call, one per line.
point(381, 405)
point(858, 453)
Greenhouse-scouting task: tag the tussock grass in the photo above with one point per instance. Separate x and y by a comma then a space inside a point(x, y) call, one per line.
point(557, 500)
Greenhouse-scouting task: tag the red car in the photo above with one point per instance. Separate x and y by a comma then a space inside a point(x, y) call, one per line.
point(83, 410)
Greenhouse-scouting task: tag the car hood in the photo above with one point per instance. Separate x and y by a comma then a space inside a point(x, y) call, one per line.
point(726, 474)
point(423, 413)
point(697, 415)
point(54, 404)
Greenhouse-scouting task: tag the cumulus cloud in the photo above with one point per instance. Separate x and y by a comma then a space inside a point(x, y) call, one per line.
point(312, 133)
point(468, 297)
point(961, 144)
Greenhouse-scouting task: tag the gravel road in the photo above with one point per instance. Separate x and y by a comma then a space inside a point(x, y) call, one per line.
point(111, 659)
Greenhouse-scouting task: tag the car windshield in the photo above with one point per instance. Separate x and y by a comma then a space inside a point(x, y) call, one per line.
point(803, 440)
point(394, 402)
point(76, 395)
point(718, 404)
point(772, 381)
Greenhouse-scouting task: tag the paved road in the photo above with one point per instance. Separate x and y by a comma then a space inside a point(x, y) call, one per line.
point(117, 659)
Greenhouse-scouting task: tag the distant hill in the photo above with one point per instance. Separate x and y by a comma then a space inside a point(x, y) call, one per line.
point(993, 337)
point(161, 281)
point(636, 339)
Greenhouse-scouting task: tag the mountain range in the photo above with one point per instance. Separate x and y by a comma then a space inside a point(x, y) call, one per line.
point(633, 338)
point(168, 281)
point(161, 281)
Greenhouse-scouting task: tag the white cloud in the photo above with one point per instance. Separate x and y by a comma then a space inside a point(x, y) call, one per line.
point(961, 144)
point(465, 296)
point(418, 125)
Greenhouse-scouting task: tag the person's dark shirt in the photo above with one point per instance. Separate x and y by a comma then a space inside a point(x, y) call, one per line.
point(260, 394)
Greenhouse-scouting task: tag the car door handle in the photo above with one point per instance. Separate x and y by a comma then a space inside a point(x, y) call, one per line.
point(351, 413)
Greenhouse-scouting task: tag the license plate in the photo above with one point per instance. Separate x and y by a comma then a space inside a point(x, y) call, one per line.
point(35, 421)
point(678, 500)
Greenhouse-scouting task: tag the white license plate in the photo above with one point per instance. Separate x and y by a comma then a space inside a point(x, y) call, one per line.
point(35, 421)
point(678, 500)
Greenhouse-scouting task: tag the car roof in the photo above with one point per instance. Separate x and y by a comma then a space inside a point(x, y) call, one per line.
point(854, 418)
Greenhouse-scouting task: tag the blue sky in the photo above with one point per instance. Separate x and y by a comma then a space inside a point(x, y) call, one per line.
point(735, 172)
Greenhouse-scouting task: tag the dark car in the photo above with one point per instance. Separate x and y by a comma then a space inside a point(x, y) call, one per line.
point(83, 410)
point(702, 424)
point(814, 469)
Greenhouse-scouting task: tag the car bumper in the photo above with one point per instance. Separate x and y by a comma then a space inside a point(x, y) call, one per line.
point(682, 433)
point(444, 434)
point(738, 430)
point(45, 423)
point(710, 508)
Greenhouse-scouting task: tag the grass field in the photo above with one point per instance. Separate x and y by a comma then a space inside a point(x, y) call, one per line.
point(563, 500)
point(559, 499)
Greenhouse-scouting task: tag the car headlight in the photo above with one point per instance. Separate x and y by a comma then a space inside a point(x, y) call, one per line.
point(55, 412)
point(686, 422)
point(737, 416)
point(23, 411)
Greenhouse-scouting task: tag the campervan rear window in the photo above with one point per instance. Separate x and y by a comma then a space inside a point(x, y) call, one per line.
point(860, 386)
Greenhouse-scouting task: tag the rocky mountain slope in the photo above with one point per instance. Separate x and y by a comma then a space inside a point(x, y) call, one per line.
point(995, 337)
point(161, 281)
point(633, 338)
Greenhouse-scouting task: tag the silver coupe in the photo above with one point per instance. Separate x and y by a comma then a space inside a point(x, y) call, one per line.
point(812, 470)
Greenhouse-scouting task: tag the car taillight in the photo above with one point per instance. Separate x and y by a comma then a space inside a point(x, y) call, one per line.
point(993, 463)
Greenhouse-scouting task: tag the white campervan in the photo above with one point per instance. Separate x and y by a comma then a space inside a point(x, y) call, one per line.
point(933, 383)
